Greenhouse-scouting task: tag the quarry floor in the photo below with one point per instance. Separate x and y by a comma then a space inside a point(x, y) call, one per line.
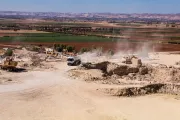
point(52, 95)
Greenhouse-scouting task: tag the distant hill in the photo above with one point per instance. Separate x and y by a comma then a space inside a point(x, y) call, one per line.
point(92, 16)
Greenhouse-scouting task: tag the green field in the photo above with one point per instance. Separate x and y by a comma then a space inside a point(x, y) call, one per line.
point(52, 37)
point(59, 37)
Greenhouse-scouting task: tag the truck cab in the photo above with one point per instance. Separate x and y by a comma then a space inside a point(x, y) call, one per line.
point(73, 61)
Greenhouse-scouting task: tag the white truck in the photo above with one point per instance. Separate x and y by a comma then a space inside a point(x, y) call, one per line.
point(73, 61)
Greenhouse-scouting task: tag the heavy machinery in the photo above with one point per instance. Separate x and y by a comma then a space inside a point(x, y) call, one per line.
point(73, 61)
point(51, 52)
point(8, 63)
point(2, 52)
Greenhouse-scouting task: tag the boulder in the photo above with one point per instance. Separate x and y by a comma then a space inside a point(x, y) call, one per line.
point(143, 70)
point(112, 68)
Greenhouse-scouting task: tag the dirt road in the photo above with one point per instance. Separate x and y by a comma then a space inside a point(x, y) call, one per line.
point(52, 95)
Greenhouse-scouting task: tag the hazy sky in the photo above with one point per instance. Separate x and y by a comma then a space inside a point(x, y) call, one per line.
point(114, 6)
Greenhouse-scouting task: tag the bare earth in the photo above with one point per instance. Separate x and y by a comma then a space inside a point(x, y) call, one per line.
point(52, 95)
point(21, 31)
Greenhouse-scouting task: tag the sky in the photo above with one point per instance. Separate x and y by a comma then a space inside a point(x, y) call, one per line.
point(85, 6)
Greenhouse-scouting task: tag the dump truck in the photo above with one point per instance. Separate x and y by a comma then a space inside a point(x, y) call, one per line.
point(9, 64)
point(73, 61)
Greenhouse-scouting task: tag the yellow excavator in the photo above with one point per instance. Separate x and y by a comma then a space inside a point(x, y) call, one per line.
point(9, 64)
point(51, 52)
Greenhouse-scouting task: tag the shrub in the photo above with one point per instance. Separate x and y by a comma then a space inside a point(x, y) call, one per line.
point(63, 46)
point(9, 52)
point(55, 46)
point(59, 49)
point(36, 49)
point(70, 48)
point(84, 50)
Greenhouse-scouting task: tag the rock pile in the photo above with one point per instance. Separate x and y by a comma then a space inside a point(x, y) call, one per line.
point(145, 90)
point(112, 68)
point(165, 74)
